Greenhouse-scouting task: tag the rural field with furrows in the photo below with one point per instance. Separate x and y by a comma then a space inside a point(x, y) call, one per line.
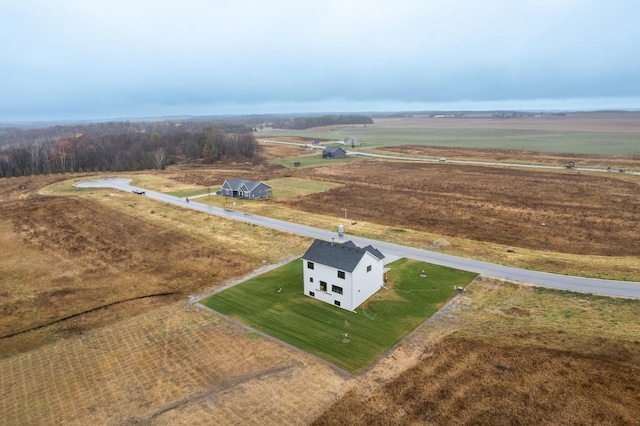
point(118, 309)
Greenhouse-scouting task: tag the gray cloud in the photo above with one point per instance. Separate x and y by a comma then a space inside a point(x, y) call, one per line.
point(114, 58)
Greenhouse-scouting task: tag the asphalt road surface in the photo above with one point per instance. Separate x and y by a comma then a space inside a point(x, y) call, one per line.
point(438, 160)
point(489, 163)
point(393, 251)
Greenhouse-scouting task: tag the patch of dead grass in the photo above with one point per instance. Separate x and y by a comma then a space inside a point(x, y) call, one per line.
point(548, 211)
point(616, 162)
point(510, 354)
point(165, 366)
point(62, 256)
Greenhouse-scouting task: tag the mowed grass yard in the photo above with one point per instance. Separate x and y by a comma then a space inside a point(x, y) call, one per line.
point(280, 188)
point(320, 328)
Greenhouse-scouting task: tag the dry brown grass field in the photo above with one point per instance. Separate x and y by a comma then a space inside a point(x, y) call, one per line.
point(507, 354)
point(569, 212)
point(96, 329)
point(616, 163)
point(62, 256)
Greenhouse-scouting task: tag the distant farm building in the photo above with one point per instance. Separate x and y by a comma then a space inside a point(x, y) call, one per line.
point(344, 275)
point(352, 141)
point(247, 189)
point(334, 152)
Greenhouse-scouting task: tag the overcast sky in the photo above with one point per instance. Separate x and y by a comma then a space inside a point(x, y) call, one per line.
point(97, 59)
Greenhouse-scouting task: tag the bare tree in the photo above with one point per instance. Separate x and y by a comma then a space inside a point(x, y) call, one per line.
point(159, 158)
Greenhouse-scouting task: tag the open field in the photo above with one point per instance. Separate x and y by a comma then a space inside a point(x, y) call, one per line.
point(579, 133)
point(62, 256)
point(500, 231)
point(590, 220)
point(166, 366)
point(511, 355)
point(289, 187)
point(136, 353)
point(614, 162)
point(554, 211)
point(319, 328)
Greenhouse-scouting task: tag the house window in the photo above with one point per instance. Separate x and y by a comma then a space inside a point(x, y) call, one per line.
point(310, 279)
point(336, 289)
point(310, 265)
point(341, 274)
point(369, 268)
point(312, 294)
point(336, 302)
point(323, 286)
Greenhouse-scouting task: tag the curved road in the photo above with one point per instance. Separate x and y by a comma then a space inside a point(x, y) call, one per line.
point(394, 251)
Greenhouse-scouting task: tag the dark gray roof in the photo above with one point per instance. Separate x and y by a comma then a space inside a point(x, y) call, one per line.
point(345, 256)
point(236, 184)
point(374, 251)
point(333, 149)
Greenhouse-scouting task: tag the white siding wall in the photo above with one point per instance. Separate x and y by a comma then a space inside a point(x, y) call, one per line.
point(356, 287)
point(330, 276)
point(367, 283)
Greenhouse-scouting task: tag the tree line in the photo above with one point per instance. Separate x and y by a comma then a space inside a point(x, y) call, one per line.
point(301, 123)
point(137, 148)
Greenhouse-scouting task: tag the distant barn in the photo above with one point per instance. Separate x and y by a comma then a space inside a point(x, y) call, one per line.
point(334, 152)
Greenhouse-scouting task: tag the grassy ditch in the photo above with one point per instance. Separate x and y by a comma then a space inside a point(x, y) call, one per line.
point(350, 340)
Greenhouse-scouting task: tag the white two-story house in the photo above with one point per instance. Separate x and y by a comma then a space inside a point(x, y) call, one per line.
point(344, 274)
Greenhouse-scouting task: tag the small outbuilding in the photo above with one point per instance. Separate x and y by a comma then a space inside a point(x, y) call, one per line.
point(342, 274)
point(334, 152)
point(247, 189)
point(352, 141)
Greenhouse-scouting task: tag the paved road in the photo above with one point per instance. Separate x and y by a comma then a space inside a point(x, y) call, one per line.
point(488, 163)
point(394, 251)
point(437, 160)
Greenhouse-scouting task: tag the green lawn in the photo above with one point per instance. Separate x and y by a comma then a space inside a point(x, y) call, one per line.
point(320, 328)
point(280, 188)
